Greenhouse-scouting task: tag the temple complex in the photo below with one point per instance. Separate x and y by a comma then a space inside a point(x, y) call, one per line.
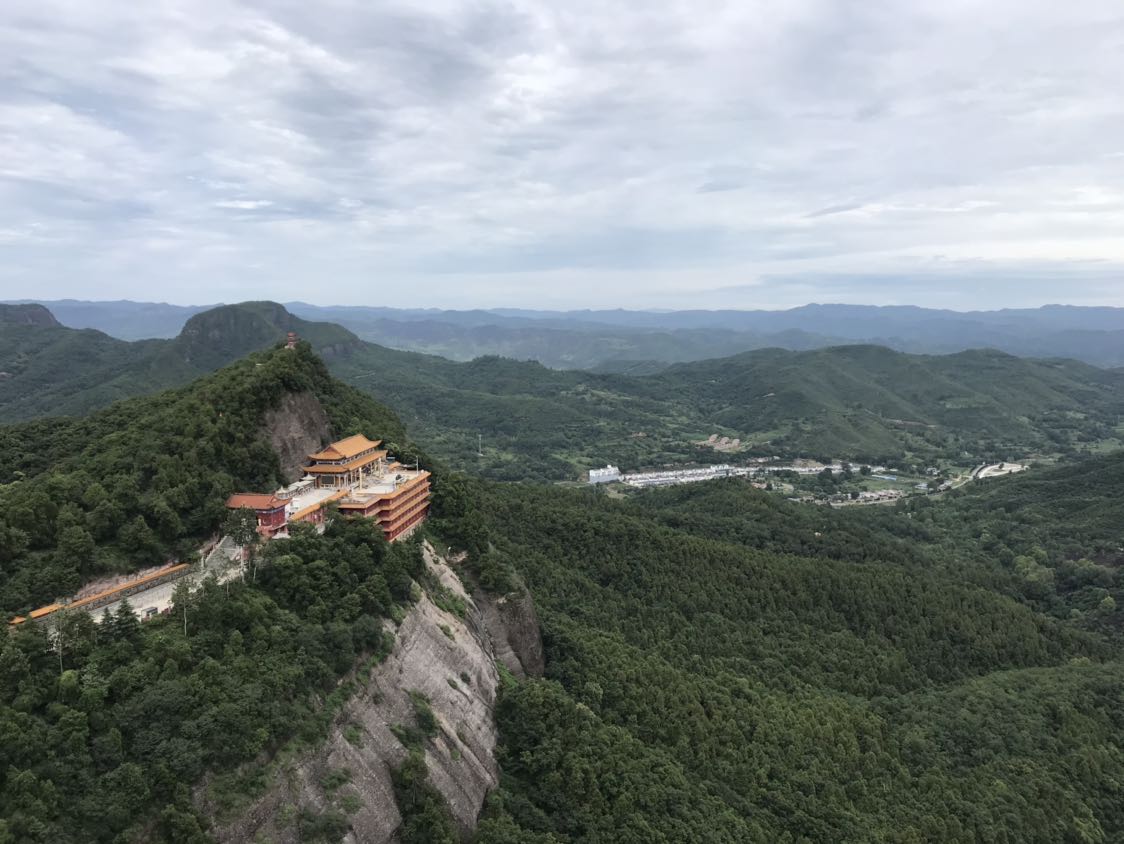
point(357, 474)
point(354, 472)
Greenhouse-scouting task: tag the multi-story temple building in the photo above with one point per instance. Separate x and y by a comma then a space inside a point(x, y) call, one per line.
point(356, 473)
point(347, 463)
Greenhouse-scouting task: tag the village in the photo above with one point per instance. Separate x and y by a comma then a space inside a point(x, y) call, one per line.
point(356, 475)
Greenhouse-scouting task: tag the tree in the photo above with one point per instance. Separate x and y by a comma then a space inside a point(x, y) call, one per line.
point(425, 820)
point(125, 626)
point(181, 598)
point(241, 526)
point(76, 547)
point(137, 538)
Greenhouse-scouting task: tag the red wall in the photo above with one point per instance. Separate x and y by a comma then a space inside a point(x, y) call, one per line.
point(271, 518)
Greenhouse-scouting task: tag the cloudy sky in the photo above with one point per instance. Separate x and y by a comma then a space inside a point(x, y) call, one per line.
point(957, 153)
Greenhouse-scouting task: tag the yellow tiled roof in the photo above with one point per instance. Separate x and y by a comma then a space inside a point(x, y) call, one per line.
point(345, 448)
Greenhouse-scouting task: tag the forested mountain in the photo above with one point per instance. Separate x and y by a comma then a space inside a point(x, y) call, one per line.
point(123, 319)
point(867, 400)
point(858, 402)
point(622, 340)
point(722, 665)
point(764, 679)
point(26, 315)
point(1048, 538)
point(560, 344)
point(855, 402)
point(726, 666)
point(46, 369)
point(615, 340)
point(105, 729)
point(145, 480)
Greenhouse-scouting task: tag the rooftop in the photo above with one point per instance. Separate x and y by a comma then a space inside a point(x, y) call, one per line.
point(254, 500)
point(395, 478)
point(346, 448)
point(306, 498)
point(338, 467)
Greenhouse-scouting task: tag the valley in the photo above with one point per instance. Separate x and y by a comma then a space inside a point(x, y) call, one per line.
point(513, 420)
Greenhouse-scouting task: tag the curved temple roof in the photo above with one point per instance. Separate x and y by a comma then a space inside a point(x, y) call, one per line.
point(346, 448)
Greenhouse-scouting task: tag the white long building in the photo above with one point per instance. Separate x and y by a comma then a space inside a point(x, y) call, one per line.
point(684, 476)
point(604, 476)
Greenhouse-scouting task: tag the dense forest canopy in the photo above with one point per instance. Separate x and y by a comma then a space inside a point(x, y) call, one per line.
point(780, 673)
point(1050, 538)
point(104, 742)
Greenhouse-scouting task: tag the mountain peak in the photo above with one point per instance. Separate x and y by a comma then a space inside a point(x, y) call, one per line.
point(30, 314)
point(230, 331)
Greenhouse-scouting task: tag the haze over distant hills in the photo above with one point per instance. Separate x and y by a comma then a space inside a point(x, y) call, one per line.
point(644, 341)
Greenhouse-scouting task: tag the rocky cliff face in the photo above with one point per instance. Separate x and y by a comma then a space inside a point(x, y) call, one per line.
point(448, 659)
point(513, 629)
point(296, 428)
point(26, 315)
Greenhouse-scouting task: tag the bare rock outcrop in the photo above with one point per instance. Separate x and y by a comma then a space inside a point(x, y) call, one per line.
point(445, 658)
point(296, 428)
point(513, 627)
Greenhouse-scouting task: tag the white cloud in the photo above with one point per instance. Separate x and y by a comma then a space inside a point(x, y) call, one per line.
point(526, 153)
point(244, 204)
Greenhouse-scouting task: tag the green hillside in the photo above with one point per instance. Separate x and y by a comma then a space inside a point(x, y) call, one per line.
point(106, 728)
point(583, 346)
point(722, 665)
point(607, 340)
point(29, 314)
point(145, 480)
point(856, 402)
point(1049, 538)
point(866, 401)
point(862, 403)
point(786, 674)
point(49, 370)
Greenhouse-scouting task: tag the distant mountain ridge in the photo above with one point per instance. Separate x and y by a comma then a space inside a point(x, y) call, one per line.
point(614, 340)
point(624, 340)
point(858, 402)
point(122, 319)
